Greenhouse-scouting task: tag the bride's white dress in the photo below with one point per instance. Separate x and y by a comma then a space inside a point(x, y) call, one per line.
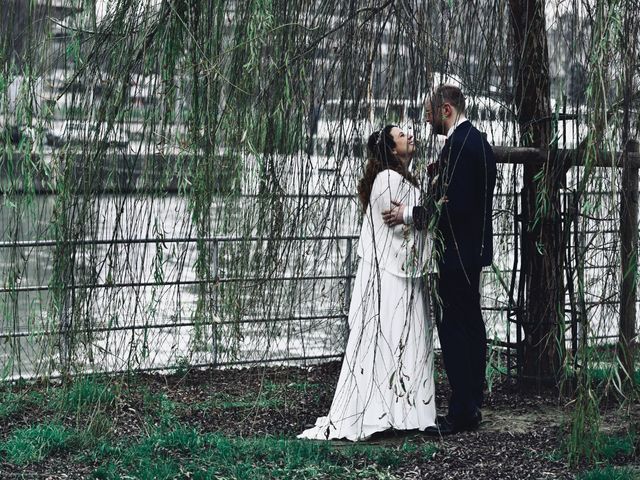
point(386, 380)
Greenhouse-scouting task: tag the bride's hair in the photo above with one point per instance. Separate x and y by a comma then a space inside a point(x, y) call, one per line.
point(381, 157)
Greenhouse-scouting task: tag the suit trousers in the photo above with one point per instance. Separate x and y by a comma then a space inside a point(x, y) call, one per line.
point(463, 339)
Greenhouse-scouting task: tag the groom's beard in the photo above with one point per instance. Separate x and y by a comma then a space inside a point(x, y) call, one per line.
point(437, 128)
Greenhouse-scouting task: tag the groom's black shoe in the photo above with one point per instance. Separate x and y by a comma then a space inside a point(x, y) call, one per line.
point(443, 426)
point(448, 425)
point(473, 423)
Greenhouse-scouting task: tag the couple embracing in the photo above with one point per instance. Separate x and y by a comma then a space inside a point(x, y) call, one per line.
point(386, 380)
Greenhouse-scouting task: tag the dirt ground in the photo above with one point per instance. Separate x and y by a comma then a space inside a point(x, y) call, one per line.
point(521, 435)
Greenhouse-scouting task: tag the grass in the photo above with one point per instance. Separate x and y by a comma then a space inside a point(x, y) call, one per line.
point(602, 375)
point(78, 430)
point(87, 393)
point(271, 395)
point(610, 473)
point(225, 401)
point(184, 452)
point(255, 403)
point(158, 408)
point(495, 368)
point(12, 403)
point(164, 448)
point(389, 457)
point(34, 444)
point(606, 449)
point(612, 446)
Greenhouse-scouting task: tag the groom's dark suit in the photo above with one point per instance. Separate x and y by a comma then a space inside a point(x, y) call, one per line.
point(466, 177)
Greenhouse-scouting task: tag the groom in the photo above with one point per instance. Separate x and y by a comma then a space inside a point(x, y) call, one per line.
point(464, 181)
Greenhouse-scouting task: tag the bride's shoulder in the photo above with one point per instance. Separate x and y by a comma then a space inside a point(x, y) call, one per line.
point(388, 175)
point(386, 180)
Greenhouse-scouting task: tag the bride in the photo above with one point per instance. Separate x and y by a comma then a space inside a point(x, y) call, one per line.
point(386, 380)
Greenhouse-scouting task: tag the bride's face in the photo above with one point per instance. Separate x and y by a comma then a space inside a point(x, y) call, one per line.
point(405, 146)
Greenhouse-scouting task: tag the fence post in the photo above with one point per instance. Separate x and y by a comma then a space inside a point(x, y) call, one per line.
point(629, 260)
point(68, 287)
point(214, 304)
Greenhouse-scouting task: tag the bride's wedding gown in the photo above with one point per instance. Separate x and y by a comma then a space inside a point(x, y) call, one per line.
point(386, 380)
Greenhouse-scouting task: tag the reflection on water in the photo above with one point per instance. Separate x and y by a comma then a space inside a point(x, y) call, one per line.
point(127, 305)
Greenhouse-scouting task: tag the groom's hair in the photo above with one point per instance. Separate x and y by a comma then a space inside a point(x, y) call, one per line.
point(448, 94)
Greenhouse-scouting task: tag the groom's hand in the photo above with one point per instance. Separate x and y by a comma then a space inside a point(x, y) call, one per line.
point(394, 216)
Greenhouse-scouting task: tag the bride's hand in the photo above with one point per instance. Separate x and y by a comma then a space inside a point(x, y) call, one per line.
point(394, 216)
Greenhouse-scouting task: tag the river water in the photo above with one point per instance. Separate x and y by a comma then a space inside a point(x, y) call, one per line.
point(135, 304)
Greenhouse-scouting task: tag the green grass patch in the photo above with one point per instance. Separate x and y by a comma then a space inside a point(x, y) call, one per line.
point(152, 402)
point(87, 393)
point(157, 406)
point(611, 446)
point(256, 403)
point(603, 448)
point(602, 375)
point(271, 395)
point(610, 473)
point(388, 456)
point(223, 401)
point(280, 388)
point(12, 403)
point(34, 444)
point(184, 452)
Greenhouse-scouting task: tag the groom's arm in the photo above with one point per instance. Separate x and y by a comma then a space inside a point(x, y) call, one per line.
point(419, 217)
point(400, 214)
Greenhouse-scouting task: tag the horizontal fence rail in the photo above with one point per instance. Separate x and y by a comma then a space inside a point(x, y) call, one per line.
point(328, 316)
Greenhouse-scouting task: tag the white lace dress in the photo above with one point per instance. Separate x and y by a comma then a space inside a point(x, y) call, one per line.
point(386, 380)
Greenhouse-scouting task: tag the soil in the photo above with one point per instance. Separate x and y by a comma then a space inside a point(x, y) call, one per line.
point(521, 435)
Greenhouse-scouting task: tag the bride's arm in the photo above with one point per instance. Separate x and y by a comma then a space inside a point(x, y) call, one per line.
point(406, 209)
point(387, 188)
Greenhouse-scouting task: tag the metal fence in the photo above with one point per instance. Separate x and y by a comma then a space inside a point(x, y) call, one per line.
point(310, 328)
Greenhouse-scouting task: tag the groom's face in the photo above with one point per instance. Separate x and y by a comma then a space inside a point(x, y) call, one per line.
point(433, 116)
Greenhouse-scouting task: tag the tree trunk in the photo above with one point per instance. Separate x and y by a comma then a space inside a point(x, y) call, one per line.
point(541, 278)
point(627, 343)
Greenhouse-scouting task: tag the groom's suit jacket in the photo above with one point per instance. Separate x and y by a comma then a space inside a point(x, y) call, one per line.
point(466, 176)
